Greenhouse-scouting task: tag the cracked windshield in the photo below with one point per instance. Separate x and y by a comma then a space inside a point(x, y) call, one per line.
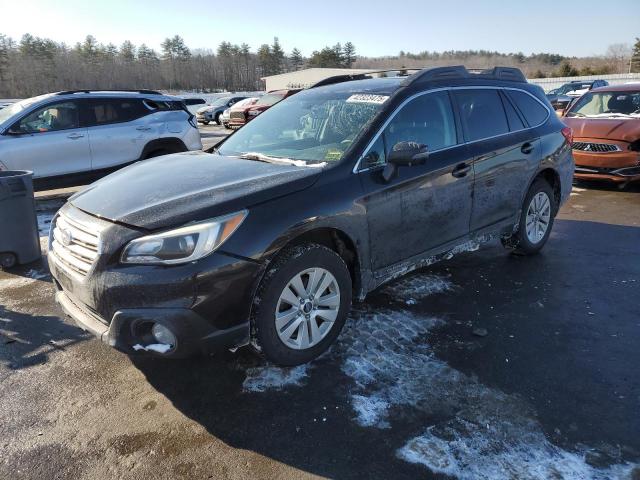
point(313, 126)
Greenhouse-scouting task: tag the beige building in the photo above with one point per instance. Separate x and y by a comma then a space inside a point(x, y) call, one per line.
point(305, 78)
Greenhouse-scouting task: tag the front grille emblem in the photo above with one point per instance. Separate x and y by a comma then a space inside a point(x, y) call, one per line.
point(67, 237)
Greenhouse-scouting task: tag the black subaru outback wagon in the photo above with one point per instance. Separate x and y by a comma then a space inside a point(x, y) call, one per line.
point(321, 199)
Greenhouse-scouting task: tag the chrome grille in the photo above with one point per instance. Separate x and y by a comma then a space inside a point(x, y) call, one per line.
point(236, 115)
point(595, 147)
point(74, 244)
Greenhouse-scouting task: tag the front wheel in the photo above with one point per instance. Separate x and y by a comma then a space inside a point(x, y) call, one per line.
point(538, 212)
point(218, 120)
point(302, 304)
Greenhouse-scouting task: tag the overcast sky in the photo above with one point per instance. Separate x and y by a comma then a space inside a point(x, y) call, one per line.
point(584, 27)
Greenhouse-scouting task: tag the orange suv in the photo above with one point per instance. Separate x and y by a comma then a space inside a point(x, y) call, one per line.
point(606, 134)
point(239, 117)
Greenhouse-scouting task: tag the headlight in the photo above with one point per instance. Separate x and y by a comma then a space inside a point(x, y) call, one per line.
point(253, 113)
point(184, 244)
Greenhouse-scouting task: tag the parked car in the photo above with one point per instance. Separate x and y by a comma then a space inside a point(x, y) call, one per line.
point(65, 136)
point(213, 112)
point(322, 199)
point(241, 105)
point(239, 117)
point(606, 125)
point(194, 104)
point(562, 96)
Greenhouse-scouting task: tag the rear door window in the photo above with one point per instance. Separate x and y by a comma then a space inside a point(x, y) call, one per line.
point(104, 111)
point(533, 111)
point(482, 113)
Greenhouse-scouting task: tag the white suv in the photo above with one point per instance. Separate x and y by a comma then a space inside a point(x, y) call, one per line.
point(91, 133)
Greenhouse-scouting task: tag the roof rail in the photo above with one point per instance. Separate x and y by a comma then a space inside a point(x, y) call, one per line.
point(144, 92)
point(347, 77)
point(508, 74)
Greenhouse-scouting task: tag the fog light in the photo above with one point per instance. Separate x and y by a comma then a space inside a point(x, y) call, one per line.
point(163, 335)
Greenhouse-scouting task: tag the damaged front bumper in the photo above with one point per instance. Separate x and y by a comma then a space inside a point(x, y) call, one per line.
point(201, 306)
point(130, 329)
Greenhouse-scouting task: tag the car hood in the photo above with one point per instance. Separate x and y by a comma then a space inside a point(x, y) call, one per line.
point(176, 189)
point(625, 129)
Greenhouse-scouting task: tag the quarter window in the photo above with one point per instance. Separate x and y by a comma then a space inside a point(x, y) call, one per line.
point(515, 122)
point(482, 113)
point(427, 119)
point(59, 116)
point(533, 111)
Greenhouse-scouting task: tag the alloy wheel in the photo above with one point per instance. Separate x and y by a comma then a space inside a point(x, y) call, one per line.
point(538, 217)
point(307, 308)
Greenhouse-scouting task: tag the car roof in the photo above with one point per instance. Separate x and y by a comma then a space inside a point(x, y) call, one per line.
point(623, 87)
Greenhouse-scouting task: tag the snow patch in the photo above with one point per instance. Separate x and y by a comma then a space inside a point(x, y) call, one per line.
point(469, 451)
point(261, 379)
point(478, 431)
point(417, 287)
point(154, 347)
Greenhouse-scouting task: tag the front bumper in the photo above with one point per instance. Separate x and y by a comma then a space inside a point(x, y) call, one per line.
point(621, 165)
point(130, 328)
point(204, 117)
point(206, 304)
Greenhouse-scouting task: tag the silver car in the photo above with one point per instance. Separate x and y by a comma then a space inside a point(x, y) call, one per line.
point(84, 132)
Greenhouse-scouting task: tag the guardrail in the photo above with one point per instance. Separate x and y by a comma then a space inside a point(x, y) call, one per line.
point(551, 83)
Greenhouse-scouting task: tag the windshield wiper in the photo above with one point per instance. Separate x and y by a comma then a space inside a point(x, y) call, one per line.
point(261, 157)
point(610, 115)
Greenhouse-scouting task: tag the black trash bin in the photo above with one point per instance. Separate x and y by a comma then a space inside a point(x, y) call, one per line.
point(19, 239)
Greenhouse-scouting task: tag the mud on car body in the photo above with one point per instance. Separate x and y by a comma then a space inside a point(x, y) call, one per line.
point(324, 197)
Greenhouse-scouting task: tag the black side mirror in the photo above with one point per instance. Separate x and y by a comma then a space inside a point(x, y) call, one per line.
point(404, 154)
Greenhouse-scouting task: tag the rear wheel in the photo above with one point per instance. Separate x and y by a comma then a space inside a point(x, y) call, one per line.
point(302, 304)
point(538, 212)
point(205, 122)
point(7, 260)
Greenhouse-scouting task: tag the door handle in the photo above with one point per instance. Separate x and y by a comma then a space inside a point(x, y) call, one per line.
point(143, 129)
point(75, 136)
point(527, 148)
point(461, 170)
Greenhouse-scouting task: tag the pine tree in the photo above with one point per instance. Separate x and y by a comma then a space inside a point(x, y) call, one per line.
point(635, 58)
point(349, 54)
point(147, 55)
point(296, 59)
point(277, 56)
point(264, 59)
point(127, 52)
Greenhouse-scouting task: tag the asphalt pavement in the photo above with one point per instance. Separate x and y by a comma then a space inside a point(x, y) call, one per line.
point(487, 365)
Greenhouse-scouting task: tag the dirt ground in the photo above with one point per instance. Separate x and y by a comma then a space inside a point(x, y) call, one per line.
point(484, 366)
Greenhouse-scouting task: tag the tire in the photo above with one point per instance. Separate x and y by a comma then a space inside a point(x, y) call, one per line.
point(539, 206)
point(205, 122)
point(7, 260)
point(319, 324)
point(218, 121)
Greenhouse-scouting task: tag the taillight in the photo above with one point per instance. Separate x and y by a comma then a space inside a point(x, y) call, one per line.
point(567, 133)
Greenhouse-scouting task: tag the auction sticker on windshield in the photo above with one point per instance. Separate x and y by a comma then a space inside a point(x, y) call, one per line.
point(367, 98)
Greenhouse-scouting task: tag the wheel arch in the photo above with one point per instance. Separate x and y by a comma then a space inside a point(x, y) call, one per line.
point(171, 144)
point(552, 177)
